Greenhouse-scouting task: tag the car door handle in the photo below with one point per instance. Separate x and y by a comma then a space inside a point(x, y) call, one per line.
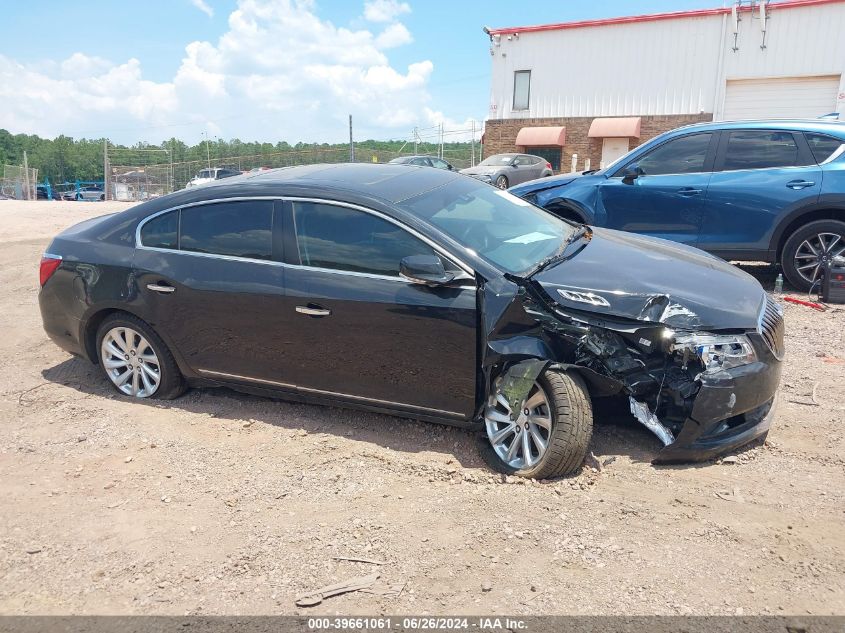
point(313, 311)
point(689, 191)
point(800, 184)
point(163, 288)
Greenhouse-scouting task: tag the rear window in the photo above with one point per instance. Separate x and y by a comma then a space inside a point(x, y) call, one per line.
point(822, 146)
point(161, 232)
point(760, 149)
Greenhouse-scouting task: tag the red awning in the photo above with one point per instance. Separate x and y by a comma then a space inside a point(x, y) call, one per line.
point(615, 127)
point(541, 137)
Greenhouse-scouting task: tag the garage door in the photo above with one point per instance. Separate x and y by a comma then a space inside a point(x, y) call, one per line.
point(781, 98)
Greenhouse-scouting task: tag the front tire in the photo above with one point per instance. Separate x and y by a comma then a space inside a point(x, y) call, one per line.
point(502, 182)
point(808, 249)
point(135, 360)
point(551, 439)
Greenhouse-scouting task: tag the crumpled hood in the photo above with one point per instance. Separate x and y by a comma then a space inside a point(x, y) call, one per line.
point(655, 280)
point(541, 184)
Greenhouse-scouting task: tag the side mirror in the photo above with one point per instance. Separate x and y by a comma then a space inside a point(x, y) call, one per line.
point(424, 269)
point(631, 173)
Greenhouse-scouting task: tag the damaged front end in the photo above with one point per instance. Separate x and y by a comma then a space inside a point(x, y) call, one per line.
point(701, 390)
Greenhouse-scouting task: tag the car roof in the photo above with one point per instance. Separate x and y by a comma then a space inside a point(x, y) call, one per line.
point(820, 126)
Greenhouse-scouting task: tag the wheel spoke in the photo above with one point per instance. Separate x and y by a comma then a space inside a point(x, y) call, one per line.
point(835, 239)
point(809, 247)
point(806, 266)
point(541, 420)
point(497, 416)
point(148, 384)
point(499, 436)
point(514, 448)
point(539, 442)
point(114, 363)
point(119, 342)
point(136, 375)
point(502, 400)
point(526, 449)
point(121, 379)
point(536, 400)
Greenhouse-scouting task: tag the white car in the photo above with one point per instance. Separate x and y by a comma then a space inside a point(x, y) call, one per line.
point(210, 175)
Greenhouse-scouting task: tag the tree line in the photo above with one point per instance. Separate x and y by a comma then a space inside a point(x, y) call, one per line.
point(65, 159)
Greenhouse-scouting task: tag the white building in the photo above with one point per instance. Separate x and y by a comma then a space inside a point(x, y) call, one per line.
point(652, 73)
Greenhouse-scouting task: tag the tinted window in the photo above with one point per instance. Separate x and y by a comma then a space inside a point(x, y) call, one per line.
point(679, 156)
point(339, 238)
point(440, 164)
point(161, 232)
point(822, 146)
point(759, 149)
point(240, 229)
point(422, 162)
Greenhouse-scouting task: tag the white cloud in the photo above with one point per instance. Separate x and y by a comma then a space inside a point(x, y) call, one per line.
point(202, 5)
point(394, 35)
point(384, 10)
point(279, 72)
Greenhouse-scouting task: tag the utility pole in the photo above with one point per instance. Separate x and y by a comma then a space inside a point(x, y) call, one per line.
point(472, 146)
point(207, 151)
point(351, 142)
point(25, 177)
point(416, 143)
point(106, 168)
point(441, 140)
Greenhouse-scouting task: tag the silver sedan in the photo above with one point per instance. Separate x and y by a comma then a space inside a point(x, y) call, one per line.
point(506, 170)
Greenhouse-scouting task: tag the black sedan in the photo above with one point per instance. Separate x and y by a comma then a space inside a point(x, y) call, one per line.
point(425, 294)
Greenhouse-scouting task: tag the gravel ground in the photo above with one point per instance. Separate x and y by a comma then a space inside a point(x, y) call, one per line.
point(222, 503)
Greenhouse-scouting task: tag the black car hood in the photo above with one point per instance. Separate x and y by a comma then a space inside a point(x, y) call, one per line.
point(654, 280)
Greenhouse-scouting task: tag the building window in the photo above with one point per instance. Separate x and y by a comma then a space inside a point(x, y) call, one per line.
point(551, 154)
point(521, 89)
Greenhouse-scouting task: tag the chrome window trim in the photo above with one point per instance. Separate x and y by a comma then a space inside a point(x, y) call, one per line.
point(309, 390)
point(836, 154)
point(439, 249)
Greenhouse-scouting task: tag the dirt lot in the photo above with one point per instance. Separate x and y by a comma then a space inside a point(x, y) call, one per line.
point(221, 503)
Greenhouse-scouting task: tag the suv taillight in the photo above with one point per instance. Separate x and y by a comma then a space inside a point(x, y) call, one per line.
point(49, 265)
point(548, 165)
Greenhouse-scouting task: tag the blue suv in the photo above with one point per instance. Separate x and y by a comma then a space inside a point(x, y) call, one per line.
point(743, 190)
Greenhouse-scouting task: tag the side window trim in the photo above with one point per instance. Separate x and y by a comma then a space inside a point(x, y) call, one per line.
point(294, 247)
point(709, 157)
point(285, 211)
point(805, 154)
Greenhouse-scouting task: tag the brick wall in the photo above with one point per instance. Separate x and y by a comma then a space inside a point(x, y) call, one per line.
point(500, 135)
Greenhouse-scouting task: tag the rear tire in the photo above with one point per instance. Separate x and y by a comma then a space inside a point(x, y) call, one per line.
point(568, 439)
point(132, 340)
point(502, 182)
point(798, 251)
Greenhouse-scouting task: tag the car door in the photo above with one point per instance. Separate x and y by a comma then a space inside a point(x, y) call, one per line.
point(760, 176)
point(522, 170)
point(667, 199)
point(359, 330)
point(208, 282)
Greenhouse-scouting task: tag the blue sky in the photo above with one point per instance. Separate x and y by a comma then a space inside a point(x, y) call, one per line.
point(120, 69)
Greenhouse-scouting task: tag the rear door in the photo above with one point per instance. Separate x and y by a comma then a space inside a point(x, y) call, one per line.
point(667, 199)
point(523, 170)
point(358, 329)
point(209, 282)
point(760, 175)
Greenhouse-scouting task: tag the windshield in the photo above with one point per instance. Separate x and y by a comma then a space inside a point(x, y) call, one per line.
point(507, 231)
point(494, 161)
point(205, 173)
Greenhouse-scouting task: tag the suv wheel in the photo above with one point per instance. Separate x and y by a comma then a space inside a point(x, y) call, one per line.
point(502, 182)
point(548, 436)
point(135, 359)
point(809, 248)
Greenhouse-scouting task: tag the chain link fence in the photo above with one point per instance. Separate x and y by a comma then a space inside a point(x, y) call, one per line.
point(19, 183)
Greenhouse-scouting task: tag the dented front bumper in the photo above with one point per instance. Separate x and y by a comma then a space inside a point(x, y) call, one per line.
point(732, 407)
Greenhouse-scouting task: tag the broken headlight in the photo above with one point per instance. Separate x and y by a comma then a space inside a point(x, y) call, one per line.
point(716, 351)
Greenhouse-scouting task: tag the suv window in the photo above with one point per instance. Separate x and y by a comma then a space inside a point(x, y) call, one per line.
point(422, 162)
point(822, 146)
point(440, 164)
point(523, 160)
point(760, 149)
point(238, 229)
point(682, 155)
point(161, 232)
point(340, 238)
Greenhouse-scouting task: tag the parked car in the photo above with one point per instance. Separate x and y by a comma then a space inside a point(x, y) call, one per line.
point(769, 191)
point(91, 193)
point(505, 170)
point(424, 294)
point(423, 161)
point(206, 176)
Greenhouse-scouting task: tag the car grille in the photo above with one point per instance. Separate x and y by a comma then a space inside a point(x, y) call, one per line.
point(771, 327)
